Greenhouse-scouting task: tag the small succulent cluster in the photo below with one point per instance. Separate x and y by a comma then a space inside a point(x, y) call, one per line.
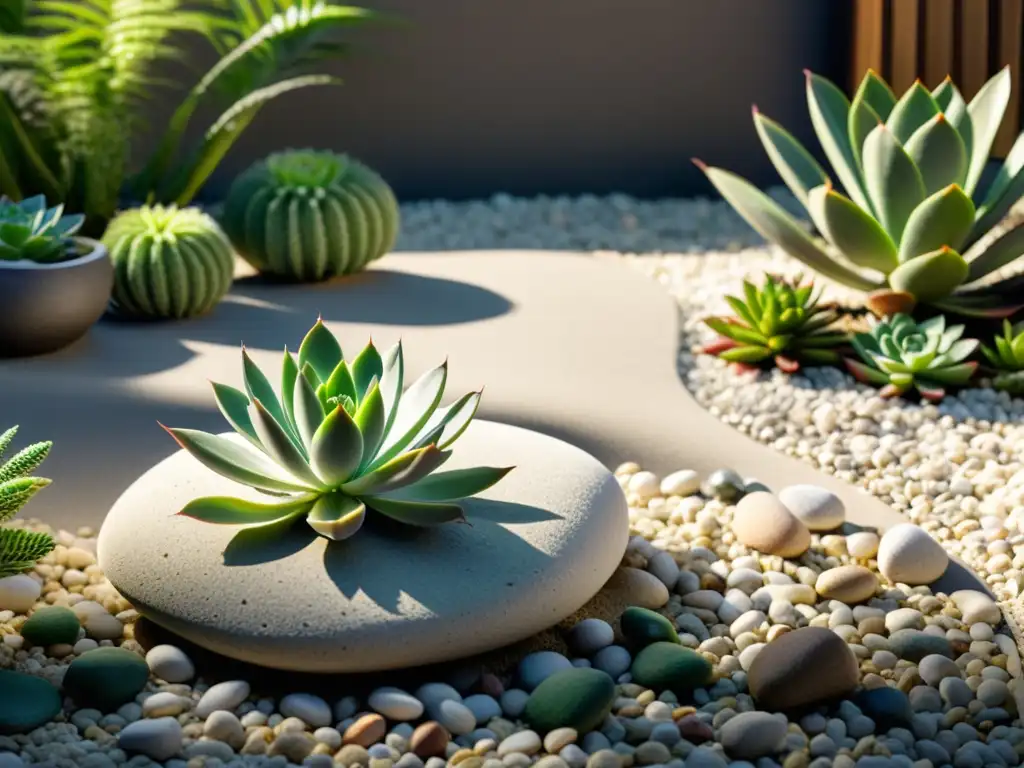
point(782, 322)
point(341, 438)
point(29, 231)
point(1006, 358)
point(20, 549)
point(898, 354)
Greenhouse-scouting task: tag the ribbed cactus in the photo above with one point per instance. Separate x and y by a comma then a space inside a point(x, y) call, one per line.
point(168, 262)
point(308, 215)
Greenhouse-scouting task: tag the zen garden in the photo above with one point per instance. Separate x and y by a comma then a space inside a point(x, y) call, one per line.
point(328, 490)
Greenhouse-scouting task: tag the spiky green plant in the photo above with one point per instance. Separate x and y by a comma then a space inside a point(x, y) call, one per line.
point(899, 353)
point(75, 75)
point(30, 231)
point(309, 215)
point(783, 322)
point(913, 222)
point(1006, 358)
point(341, 438)
point(168, 262)
point(20, 549)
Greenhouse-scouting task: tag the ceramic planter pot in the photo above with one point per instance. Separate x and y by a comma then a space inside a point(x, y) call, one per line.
point(48, 306)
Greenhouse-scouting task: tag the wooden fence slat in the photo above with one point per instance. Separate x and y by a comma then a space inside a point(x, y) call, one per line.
point(903, 33)
point(867, 49)
point(974, 45)
point(1011, 22)
point(938, 41)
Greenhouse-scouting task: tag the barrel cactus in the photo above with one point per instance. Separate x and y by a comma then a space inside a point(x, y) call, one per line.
point(307, 216)
point(169, 262)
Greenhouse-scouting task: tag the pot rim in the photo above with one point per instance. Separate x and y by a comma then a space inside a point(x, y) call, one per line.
point(97, 251)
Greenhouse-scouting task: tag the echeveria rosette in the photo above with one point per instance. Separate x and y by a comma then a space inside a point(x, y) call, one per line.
point(30, 231)
point(911, 223)
point(342, 438)
point(783, 322)
point(21, 549)
point(1006, 358)
point(899, 354)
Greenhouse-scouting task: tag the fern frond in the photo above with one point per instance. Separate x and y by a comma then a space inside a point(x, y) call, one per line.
point(21, 549)
point(14, 494)
point(24, 461)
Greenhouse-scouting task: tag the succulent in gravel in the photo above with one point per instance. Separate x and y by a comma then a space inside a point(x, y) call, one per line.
point(913, 225)
point(308, 215)
point(342, 438)
point(168, 262)
point(30, 231)
point(783, 322)
point(1006, 358)
point(20, 549)
point(899, 353)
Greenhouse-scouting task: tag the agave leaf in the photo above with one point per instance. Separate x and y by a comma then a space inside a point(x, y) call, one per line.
point(830, 115)
point(871, 105)
point(258, 387)
point(366, 368)
point(742, 310)
point(1008, 171)
point(234, 404)
point(336, 516)
point(772, 222)
point(225, 510)
point(958, 374)
point(988, 216)
point(797, 167)
point(939, 153)
point(321, 350)
point(336, 450)
point(370, 419)
point(234, 461)
point(852, 230)
point(280, 445)
point(453, 485)
point(915, 108)
point(746, 354)
point(340, 383)
point(865, 373)
point(391, 382)
point(943, 219)
point(1004, 250)
point(309, 410)
point(931, 276)
point(986, 111)
point(415, 408)
point(404, 469)
point(289, 373)
point(420, 514)
point(449, 423)
point(893, 182)
point(735, 331)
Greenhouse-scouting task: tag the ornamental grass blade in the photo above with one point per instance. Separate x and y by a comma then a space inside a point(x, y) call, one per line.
point(234, 405)
point(852, 230)
point(797, 167)
point(225, 510)
point(280, 445)
point(943, 219)
point(830, 116)
point(233, 461)
point(371, 419)
point(21, 549)
point(401, 471)
point(915, 108)
point(321, 350)
point(25, 461)
point(939, 153)
point(931, 276)
point(259, 388)
point(336, 516)
point(1001, 252)
point(893, 182)
point(366, 367)
point(309, 410)
point(451, 486)
point(14, 494)
point(419, 514)
point(774, 224)
point(986, 111)
point(416, 406)
point(337, 448)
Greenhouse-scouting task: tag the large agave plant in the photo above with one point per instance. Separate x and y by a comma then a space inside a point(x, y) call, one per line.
point(899, 354)
point(341, 438)
point(911, 225)
point(20, 549)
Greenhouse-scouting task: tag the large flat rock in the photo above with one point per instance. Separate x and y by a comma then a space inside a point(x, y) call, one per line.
point(540, 544)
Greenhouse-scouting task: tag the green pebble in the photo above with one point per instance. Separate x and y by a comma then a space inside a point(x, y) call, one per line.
point(106, 678)
point(578, 698)
point(26, 702)
point(51, 625)
point(668, 666)
point(914, 645)
point(643, 627)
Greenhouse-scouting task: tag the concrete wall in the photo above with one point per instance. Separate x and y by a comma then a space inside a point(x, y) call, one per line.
point(560, 96)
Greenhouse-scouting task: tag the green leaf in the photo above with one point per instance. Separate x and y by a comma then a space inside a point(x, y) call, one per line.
point(6, 439)
point(25, 461)
point(1004, 250)
point(871, 105)
point(797, 167)
point(391, 382)
point(746, 354)
point(931, 276)
point(420, 514)
point(21, 549)
point(830, 115)
point(225, 510)
point(1008, 171)
point(404, 469)
point(893, 181)
point(452, 485)
point(415, 408)
point(939, 154)
point(1000, 199)
point(866, 373)
point(852, 230)
point(915, 108)
point(336, 516)
point(370, 419)
point(234, 405)
point(366, 367)
point(289, 373)
point(309, 411)
point(340, 383)
point(337, 448)
point(259, 388)
point(943, 219)
point(280, 445)
point(986, 111)
point(772, 222)
point(321, 350)
point(14, 494)
point(735, 331)
point(954, 374)
point(451, 421)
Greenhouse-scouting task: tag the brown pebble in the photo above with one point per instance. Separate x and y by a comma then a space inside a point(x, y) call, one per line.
point(295, 746)
point(474, 761)
point(681, 712)
point(711, 580)
point(873, 625)
point(491, 685)
point(460, 755)
point(694, 729)
point(429, 740)
point(352, 754)
point(366, 731)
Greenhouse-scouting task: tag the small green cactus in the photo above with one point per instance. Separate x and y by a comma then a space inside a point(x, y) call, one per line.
point(1006, 358)
point(29, 231)
point(20, 549)
point(307, 216)
point(169, 262)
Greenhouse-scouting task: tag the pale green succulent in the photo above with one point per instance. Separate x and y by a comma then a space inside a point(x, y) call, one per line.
point(1006, 357)
point(900, 354)
point(911, 225)
point(20, 549)
point(32, 232)
point(341, 438)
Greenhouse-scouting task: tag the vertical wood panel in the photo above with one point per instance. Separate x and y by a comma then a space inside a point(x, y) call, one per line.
point(903, 34)
point(974, 45)
point(1011, 21)
point(938, 41)
point(867, 49)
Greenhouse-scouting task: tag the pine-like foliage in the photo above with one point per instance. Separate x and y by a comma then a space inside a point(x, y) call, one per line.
point(21, 549)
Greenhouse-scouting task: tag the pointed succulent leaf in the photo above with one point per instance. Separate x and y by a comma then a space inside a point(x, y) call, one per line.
point(830, 116)
point(21, 549)
point(309, 411)
point(259, 388)
point(753, 302)
point(875, 92)
point(321, 350)
point(336, 516)
point(988, 216)
point(451, 421)
point(986, 111)
point(225, 510)
point(1001, 252)
point(946, 94)
point(743, 311)
point(871, 105)
point(942, 219)
point(734, 331)
point(958, 374)
point(1010, 169)
point(773, 223)
point(25, 461)
point(931, 276)
point(289, 373)
point(14, 494)
point(366, 367)
point(939, 154)
point(337, 448)
point(370, 419)
point(797, 167)
point(6, 438)
point(893, 182)
point(746, 354)
point(962, 349)
point(280, 445)
point(866, 373)
point(415, 408)
point(340, 382)
point(452, 485)
point(417, 513)
point(391, 383)
point(234, 405)
point(997, 359)
point(915, 108)
point(852, 230)
point(983, 303)
point(402, 470)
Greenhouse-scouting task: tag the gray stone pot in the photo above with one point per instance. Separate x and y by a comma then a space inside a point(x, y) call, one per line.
point(44, 307)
